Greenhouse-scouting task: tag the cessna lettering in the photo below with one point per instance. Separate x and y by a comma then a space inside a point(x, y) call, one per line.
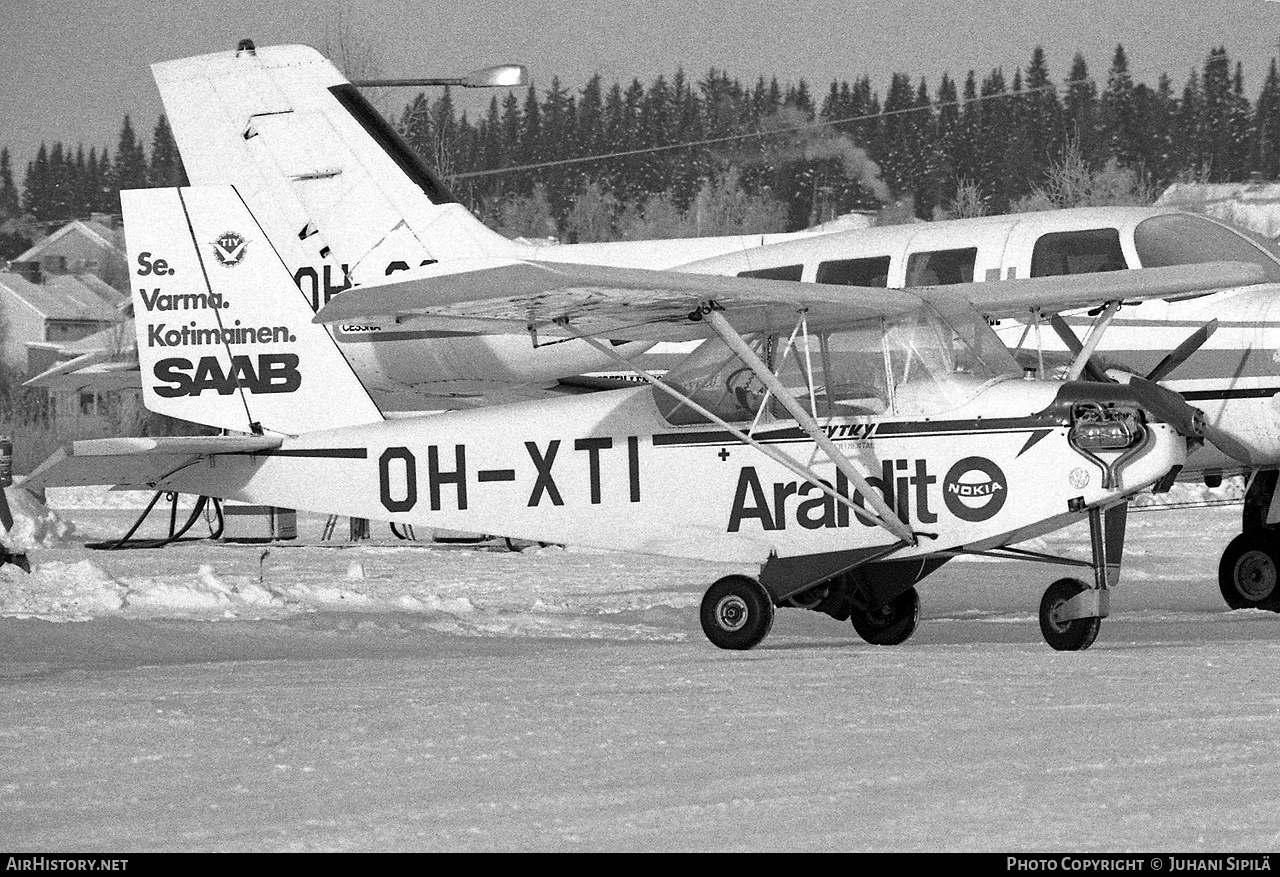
point(274, 373)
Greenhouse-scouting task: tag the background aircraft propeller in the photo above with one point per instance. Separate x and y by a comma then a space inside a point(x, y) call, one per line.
point(1166, 404)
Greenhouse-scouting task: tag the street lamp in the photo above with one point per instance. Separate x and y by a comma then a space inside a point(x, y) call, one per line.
point(500, 76)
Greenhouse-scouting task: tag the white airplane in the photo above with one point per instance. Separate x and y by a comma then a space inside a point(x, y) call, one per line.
point(848, 443)
point(339, 196)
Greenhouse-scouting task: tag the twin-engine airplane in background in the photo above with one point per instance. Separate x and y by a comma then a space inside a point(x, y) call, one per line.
point(346, 204)
point(847, 441)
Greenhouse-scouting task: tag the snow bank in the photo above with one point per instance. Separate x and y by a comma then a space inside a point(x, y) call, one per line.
point(34, 524)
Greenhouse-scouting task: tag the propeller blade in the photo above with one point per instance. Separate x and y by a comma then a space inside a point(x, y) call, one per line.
point(1185, 418)
point(1073, 344)
point(1180, 353)
point(1230, 446)
point(1169, 407)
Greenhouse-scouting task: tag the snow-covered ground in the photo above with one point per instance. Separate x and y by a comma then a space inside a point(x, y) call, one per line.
point(404, 696)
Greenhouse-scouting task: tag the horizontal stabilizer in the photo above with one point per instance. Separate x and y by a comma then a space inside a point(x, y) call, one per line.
point(99, 371)
point(138, 463)
point(633, 304)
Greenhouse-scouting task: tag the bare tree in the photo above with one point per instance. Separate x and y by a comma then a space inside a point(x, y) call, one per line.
point(347, 45)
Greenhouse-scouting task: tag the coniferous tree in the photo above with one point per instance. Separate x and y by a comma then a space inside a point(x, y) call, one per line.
point(36, 185)
point(1239, 129)
point(166, 168)
point(1044, 118)
point(10, 203)
point(1266, 123)
point(995, 119)
point(1080, 108)
point(1019, 168)
point(82, 185)
point(1118, 125)
point(1214, 125)
point(946, 139)
point(1157, 114)
point(105, 199)
point(130, 169)
point(1190, 143)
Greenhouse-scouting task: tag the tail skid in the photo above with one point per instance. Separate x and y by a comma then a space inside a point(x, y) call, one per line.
point(225, 337)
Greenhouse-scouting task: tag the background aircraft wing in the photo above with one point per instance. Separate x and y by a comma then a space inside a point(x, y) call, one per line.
point(1013, 298)
point(511, 296)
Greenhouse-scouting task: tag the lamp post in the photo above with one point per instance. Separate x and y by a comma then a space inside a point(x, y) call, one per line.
point(500, 76)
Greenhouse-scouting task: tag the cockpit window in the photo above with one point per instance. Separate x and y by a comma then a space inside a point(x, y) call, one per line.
point(925, 362)
point(1077, 252)
point(1178, 239)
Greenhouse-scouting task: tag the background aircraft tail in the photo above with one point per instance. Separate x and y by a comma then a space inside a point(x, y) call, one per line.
point(225, 337)
point(326, 176)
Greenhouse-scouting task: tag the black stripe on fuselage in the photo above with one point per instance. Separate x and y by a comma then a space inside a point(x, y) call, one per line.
point(342, 453)
point(882, 430)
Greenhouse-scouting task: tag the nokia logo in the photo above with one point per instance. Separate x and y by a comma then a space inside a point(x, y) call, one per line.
point(974, 489)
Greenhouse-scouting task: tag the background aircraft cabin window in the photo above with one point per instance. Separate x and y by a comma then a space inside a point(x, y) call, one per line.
point(1189, 240)
point(941, 267)
point(785, 272)
point(856, 272)
point(1077, 252)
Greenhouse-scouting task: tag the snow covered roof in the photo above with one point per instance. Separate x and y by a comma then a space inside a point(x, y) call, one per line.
point(95, 231)
point(66, 296)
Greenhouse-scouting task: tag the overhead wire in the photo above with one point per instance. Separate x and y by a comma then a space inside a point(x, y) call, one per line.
point(786, 129)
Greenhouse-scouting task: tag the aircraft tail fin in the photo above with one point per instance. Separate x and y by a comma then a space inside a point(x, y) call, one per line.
point(326, 175)
point(225, 337)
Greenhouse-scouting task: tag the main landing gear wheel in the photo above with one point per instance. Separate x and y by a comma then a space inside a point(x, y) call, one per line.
point(891, 624)
point(1247, 573)
point(1073, 635)
point(736, 613)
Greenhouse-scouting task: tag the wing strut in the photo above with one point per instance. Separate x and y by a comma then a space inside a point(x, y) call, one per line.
point(879, 519)
point(804, 419)
point(1091, 342)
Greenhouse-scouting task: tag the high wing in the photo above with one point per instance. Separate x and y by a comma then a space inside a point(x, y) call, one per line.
point(632, 304)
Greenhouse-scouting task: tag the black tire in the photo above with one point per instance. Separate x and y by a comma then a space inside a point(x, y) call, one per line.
point(1067, 636)
point(736, 613)
point(1249, 572)
point(891, 624)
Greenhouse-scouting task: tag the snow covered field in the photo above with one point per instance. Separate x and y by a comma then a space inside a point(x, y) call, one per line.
point(397, 696)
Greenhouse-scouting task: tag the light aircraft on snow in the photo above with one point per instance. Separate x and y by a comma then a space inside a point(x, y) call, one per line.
point(346, 203)
point(849, 444)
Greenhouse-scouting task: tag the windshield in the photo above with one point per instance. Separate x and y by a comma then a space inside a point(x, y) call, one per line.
point(1178, 239)
point(918, 364)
